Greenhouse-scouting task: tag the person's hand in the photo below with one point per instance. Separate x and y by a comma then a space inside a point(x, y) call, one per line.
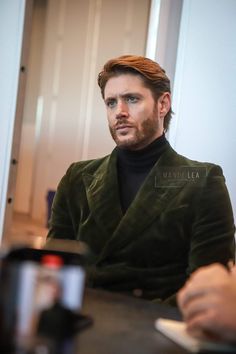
point(208, 303)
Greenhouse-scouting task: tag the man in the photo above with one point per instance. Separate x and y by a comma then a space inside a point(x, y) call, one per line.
point(149, 216)
point(208, 303)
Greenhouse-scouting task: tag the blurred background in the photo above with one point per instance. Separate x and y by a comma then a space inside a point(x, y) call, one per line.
point(51, 111)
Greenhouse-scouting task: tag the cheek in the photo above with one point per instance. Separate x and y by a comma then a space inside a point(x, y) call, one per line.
point(109, 118)
point(139, 115)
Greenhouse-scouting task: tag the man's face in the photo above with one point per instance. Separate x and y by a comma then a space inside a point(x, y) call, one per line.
point(135, 119)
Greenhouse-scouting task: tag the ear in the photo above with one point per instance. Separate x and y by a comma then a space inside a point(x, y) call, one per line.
point(164, 103)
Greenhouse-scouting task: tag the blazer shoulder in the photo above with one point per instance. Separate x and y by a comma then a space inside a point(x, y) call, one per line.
point(181, 160)
point(77, 169)
point(174, 159)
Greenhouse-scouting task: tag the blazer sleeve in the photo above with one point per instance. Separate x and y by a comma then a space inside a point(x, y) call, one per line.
point(212, 238)
point(61, 222)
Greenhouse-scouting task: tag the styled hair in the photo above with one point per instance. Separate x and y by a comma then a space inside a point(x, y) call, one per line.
point(151, 73)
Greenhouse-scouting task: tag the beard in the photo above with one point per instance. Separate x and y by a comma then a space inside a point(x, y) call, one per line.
point(140, 138)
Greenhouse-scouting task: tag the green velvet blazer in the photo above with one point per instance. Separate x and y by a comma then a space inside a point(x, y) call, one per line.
point(180, 219)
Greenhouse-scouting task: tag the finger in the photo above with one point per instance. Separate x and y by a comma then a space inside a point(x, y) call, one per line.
point(204, 325)
point(189, 293)
point(195, 307)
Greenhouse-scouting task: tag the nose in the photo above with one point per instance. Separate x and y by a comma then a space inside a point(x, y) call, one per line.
point(121, 109)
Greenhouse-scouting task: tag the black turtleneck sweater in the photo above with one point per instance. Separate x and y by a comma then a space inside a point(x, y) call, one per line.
point(134, 166)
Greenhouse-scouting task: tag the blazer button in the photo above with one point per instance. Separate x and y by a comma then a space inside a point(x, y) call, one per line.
point(138, 292)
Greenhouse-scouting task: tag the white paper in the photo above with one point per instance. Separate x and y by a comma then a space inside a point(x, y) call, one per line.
point(176, 331)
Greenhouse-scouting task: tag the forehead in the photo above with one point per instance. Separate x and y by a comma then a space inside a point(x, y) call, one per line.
point(124, 83)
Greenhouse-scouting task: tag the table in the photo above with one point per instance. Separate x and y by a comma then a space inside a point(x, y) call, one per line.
point(124, 325)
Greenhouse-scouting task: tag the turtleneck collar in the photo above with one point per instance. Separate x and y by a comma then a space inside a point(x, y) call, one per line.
point(143, 159)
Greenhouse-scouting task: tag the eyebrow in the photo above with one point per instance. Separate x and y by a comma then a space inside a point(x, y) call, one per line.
point(124, 95)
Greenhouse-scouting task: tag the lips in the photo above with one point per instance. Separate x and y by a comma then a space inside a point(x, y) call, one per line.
point(123, 126)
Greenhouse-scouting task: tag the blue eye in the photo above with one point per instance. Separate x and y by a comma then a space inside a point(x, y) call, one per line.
point(132, 99)
point(111, 103)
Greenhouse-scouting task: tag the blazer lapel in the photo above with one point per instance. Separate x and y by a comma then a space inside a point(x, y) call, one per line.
point(153, 197)
point(102, 194)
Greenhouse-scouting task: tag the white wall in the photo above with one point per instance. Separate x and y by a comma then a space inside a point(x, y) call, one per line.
point(167, 35)
point(11, 29)
point(203, 127)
